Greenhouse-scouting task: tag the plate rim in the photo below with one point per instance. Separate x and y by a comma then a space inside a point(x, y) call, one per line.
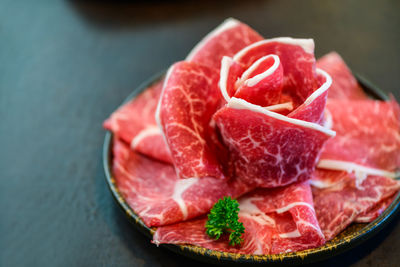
point(218, 257)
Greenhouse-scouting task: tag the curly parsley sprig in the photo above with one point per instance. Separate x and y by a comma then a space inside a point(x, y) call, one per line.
point(223, 218)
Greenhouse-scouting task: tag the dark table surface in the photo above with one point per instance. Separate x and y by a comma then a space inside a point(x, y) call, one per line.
point(66, 65)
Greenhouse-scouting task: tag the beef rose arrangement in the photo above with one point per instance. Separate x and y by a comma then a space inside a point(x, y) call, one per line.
point(294, 139)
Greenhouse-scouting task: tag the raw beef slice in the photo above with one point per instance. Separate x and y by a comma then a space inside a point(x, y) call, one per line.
point(268, 149)
point(260, 84)
point(298, 61)
point(312, 109)
point(189, 99)
point(367, 137)
point(227, 39)
point(134, 123)
point(154, 192)
point(345, 201)
point(344, 86)
point(275, 220)
point(372, 214)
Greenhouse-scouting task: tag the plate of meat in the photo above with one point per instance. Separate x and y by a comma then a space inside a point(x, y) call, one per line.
point(251, 150)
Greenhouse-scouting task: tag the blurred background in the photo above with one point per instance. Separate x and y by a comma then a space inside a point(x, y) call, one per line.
point(66, 65)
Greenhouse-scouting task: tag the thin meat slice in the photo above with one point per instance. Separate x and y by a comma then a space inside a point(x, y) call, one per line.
point(294, 223)
point(322, 179)
point(344, 86)
point(312, 110)
point(257, 238)
point(372, 214)
point(158, 196)
point(227, 39)
point(341, 204)
point(189, 99)
point(229, 74)
point(367, 137)
point(260, 84)
point(298, 61)
point(275, 220)
point(134, 123)
point(268, 149)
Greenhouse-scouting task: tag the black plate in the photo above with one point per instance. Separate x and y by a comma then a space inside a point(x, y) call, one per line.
point(352, 236)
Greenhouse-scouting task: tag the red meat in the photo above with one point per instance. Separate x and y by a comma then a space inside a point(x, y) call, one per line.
point(227, 39)
point(154, 192)
point(367, 136)
point(189, 99)
point(269, 149)
point(344, 86)
point(341, 203)
point(275, 220)
point(134, 123)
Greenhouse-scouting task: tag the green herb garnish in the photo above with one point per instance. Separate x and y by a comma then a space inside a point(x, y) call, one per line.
point(223, 218)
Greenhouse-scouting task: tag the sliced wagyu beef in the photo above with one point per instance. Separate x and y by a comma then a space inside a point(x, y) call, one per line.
point(189, 99)
point(298, 61)
point(158, 196)
point(226, 40)
point(344, 84)
point(260, 84)
point(312, 109)
point(346, 201)
point(354, 180)
point(367, 137)
point(134, 122)
point(269, 149)
point(275, 220)
point(372, 214)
